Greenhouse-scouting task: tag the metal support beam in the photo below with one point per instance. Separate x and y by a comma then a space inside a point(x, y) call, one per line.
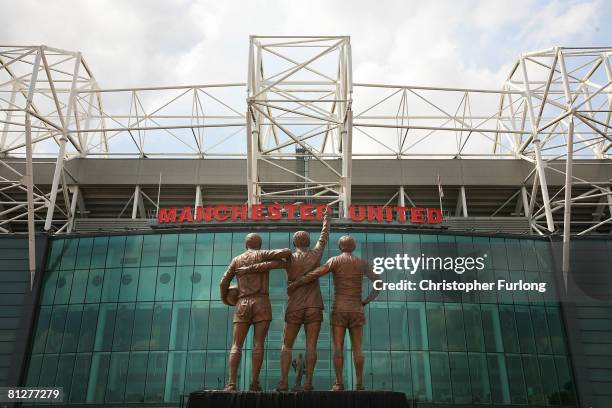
point(251, 161)
point(73, 207)
point(461, 209)
point(525, 200)
point(567, 214)
point(138, 204)
point(29, 173)
point(347, 167)
point(543, 185)
point(59, 163)
point(401, 197)
point(198, 197)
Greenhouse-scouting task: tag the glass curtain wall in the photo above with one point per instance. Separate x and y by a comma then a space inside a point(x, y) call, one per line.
point(137, 318)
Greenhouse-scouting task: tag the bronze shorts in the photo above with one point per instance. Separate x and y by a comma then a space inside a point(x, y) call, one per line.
point(347, 319)
point(306, 315)
point(253, 309)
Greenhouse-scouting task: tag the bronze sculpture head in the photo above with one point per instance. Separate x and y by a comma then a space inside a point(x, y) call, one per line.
point(301, 239)
point(252, 241)
point(346, 244)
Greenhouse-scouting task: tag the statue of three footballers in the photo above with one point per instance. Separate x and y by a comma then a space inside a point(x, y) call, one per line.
point(304, 305)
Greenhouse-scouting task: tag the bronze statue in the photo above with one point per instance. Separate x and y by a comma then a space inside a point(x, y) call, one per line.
point(298, 366)
point(304, 305)
point(347, 308)
point(252, 306)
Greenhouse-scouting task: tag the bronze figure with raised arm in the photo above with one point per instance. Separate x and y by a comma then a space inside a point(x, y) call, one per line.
point(347, 309)
point(252, 306)
point(304, 305)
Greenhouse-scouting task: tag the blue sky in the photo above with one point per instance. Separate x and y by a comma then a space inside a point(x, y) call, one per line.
point(155, 42)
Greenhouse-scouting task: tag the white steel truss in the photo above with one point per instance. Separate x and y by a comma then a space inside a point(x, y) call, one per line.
point(299, 108)
point(554, 107)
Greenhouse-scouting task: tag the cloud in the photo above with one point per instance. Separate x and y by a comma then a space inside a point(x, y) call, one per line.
point(459, 43)
point(161, 42)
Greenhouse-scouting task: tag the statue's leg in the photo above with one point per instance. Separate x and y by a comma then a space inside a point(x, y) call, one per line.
point(312, 335)
point(240, 332)
point(356, 333)
point(289, 335)
point(259, 338)
point(338, 338)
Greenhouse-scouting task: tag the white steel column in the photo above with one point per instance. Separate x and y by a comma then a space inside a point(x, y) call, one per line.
point(347, 165)
point(251, 161)
point(73, 206)
point(461, 203)
point(401, 199)
point(301, 112)
point(59, 164)
point(138, 204)
point(8, 116)
point(543, 186)
point(29, 173)
point(525, 201)
point(567, 213)
point(198, 197)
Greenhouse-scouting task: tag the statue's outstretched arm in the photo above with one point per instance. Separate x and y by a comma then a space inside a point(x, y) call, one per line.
point(372, 276)
point(309, 277)
point(324, 237)
point(260, 267)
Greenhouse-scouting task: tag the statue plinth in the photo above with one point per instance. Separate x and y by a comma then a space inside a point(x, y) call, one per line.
point(305, 399)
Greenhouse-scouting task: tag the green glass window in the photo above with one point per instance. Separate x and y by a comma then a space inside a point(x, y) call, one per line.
point(201, 280)
point(72, 328)
point(436, 326)
point(83, 259)
point(89, 322)
point(114, 254)
point(117, 376)
point(460, 378)
point(440, 377)
point(454, 327)
point(124, 321)
point(99, 252)
point(136, 377)
point(80, 378)
point(479, 378)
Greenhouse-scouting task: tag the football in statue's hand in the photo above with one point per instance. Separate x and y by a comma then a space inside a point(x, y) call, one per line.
point(232, 295)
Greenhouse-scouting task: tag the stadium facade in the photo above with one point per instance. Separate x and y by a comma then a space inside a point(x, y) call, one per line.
point(121, 209)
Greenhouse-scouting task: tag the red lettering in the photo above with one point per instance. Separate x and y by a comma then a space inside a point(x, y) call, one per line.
point(220, 212)
point(417, 215)
point(257, 212)
point(375, 212)
point(434, 215)
point(389, 214)
point(358, 217)
point(401, 213)
point(186, 215)
point(203, 214)
point(290, 210)
point(166, 215)
point(239, 211)
point(274, 212)
point(306, 212)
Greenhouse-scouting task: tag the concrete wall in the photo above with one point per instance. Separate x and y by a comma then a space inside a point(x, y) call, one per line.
point(365, 172)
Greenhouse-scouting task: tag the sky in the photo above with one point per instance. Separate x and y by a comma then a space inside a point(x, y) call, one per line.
point(440, 43)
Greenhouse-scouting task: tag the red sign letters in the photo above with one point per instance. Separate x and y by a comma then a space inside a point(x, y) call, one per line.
point(291, 212)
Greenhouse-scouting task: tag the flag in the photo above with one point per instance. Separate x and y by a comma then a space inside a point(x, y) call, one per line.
point(440, 191)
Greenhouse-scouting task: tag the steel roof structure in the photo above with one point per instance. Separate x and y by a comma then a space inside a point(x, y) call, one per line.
point(300, 114)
